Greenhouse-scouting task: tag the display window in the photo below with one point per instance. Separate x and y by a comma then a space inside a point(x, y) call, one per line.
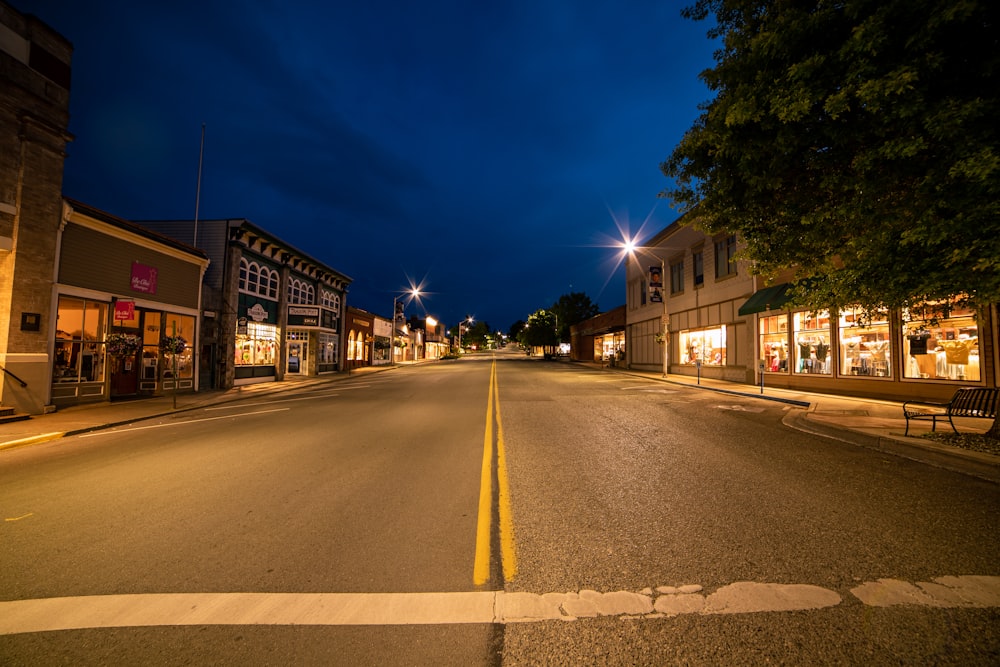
point(258, 347)
point(774, 343)
point(179, 363)
point(943, 349)
point(707, 346)
point(865, 344)
point(811, 348)
point(327, 348)
point(79, 351)
point(150, 346)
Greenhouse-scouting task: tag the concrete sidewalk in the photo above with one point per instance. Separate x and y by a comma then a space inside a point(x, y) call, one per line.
point(864, 422)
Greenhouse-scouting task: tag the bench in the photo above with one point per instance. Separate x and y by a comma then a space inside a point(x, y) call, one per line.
point(967, 402)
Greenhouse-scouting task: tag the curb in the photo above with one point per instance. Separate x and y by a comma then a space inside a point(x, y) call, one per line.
point(33, 440)
point(955, 459)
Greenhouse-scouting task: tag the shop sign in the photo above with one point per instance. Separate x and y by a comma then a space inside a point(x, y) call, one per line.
point(257, 313)
point(143, 278)
point(241, 326)
point(124, 310)
point(383, 328)
point(299, 316)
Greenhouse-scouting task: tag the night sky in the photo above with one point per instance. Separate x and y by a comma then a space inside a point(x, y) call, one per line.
point(488, 152)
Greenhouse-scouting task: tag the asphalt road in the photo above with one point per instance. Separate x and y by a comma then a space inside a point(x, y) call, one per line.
point(368, 494)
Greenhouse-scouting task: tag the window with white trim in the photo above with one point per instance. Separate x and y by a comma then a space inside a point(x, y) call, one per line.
point(258, 279)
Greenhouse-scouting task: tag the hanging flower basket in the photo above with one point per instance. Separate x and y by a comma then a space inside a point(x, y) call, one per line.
point(123, 345)
point(660, 338)
point(172, 344)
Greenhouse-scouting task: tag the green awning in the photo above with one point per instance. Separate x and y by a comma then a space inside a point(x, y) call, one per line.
point(769, 298)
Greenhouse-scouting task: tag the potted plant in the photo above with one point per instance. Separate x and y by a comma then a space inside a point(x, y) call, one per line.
point(172, 344)
point(123, 344)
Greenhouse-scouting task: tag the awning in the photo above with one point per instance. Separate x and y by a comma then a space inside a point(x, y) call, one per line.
point(769, 298)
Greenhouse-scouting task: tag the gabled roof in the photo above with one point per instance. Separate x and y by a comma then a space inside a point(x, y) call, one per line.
point(133, 228)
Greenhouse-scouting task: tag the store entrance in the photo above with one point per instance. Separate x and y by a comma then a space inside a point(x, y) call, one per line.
point(124, 363)
point(296, 356)
point(124, 376)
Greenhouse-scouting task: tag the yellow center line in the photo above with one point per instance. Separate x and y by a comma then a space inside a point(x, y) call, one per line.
point(507, 554)
point(481, 569)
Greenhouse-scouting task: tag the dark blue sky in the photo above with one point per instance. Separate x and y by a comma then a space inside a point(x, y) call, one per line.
point(484, 150)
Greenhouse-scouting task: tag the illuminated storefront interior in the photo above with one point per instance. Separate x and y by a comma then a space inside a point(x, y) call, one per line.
point(706, 346)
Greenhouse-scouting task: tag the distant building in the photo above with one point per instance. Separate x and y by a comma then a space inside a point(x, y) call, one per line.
point(600, 338)
point(269, 309)
point(367, 339)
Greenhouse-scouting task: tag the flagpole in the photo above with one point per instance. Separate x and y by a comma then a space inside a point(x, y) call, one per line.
point(197, 196)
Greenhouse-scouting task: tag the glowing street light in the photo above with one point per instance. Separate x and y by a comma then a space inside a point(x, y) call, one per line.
point(630, 248)
point(412, 293)
point(461, 324)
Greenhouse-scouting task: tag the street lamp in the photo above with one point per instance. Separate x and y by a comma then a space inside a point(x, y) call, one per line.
point(657, 292)
point(413, 293)
point(469, 319)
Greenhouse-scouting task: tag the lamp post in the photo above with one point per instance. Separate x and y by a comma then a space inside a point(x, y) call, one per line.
point(413, 294)
point(630, 248)
point(460, 326)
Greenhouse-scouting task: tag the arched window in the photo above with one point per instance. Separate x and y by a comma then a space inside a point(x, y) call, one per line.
point(258, 279)
point(272, 284)
point(350, 346)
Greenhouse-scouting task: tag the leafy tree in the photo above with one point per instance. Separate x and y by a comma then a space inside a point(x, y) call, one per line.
point(514, 333)
point(571, 309)
point(475, 334)
point(856, 141)
point(540, 331)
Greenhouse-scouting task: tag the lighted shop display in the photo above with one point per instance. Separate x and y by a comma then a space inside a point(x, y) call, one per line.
point(707, 346)
point(774, 343)
point(864, 344)
point(811, 348)
point(946, 349)
point(79, 351)
point(258, 347)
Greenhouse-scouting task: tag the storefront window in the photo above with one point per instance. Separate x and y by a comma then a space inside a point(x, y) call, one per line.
point(183, 362)
point(328, 348)
point(707, 346)
point(948, 349)
point(864, 345)
point(774, 343)
point(151, 345)
point(258, 347)
point(79, 351)
point(812, 342)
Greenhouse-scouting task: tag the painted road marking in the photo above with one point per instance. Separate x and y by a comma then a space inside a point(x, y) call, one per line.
point(240, 405)
point(743, 597)
point(178, 423)
point(484, 525)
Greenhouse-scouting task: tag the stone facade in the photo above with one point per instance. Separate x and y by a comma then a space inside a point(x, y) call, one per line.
point(35, 65)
